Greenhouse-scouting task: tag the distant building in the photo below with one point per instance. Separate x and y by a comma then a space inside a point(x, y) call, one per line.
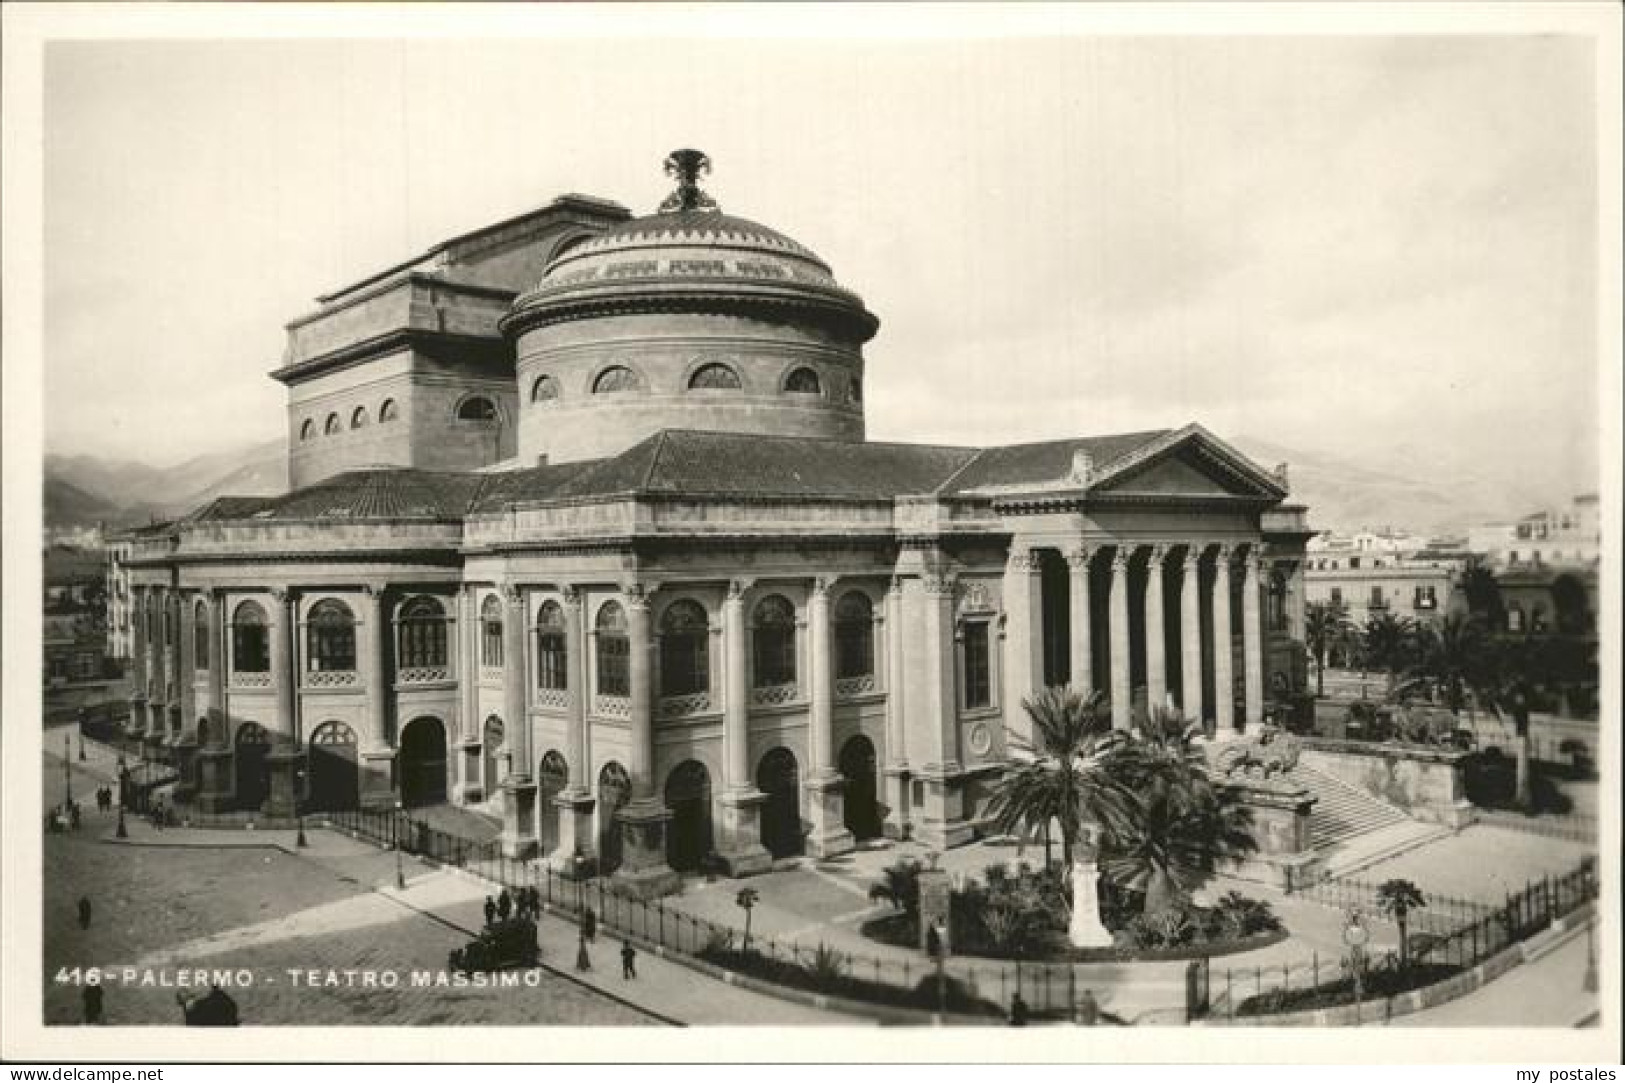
point(75, 644)
point(1570, 535)
point(1421, 586)
point(120, 636)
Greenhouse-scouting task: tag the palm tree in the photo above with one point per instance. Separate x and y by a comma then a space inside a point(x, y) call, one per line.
point(901, 887)
point(1450, 653)
point(1506, 678)
point(1396, 899)
point(1482, 593)
point(1324, 623)
point(746, 901)
point(1066, 777)
point(1390, 644)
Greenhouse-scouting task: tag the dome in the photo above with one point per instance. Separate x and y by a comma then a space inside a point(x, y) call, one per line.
point(690, 256)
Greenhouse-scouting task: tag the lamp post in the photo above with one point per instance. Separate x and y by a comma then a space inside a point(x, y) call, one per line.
point(1355, 936)
point(81, 742)
point(299, 809)
point(1590, 983)
point(400, 872)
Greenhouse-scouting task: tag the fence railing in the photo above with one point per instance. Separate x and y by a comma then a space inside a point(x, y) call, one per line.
point(1327, 980)
point(1575, 826)
point(1442, 914)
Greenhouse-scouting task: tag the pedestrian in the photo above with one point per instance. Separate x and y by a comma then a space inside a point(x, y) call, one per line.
point(504, 904)
point(73, 815)
point(84, 911)
point(1088, 1009)
point(91, 997)
point(1018, 1011)
point(629, 960)
point(583, 960)
point(589, 926)
point(490, 910)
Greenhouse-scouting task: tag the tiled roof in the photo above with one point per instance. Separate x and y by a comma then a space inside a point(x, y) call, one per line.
point(498, 489)
point(381, 493)
point(1019, 464)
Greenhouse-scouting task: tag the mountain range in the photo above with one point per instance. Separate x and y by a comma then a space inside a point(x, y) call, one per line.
point(82, 490)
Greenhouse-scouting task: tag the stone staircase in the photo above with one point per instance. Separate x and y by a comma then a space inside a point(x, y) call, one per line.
point(1342, 812)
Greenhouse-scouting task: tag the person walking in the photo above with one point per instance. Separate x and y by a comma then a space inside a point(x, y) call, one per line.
point(1018, 1011)
point(490, 910)
point(589, 926)
point(583, 960)
point(91, 998)
point(504, 904)
point(629, 960)
point(1088, 1009)
point(84, 911)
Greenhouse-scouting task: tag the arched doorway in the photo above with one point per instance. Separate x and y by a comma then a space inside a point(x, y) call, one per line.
point(688, 795)
point(780, 779)
point(491, 750)
point(334, 778)
point(253, 772)
point(614, 791)
point(551, 779)
point(861, 810)
point(421, 764)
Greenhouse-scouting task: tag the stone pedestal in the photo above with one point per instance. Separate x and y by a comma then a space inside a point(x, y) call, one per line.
point(375, 784)
point(1285, 857)
point(519, 818)
point(826, 811)
point(214, 779)
point(898, 823)
point(644, 872)
point(940, 821)
point(575, 833)
point(283, 800)
point(186, 764)
point(739, 841)
point(469, 790)
point(1085, 929)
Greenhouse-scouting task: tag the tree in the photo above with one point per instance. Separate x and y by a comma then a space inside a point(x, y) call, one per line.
point(746, 901)
point(1450, 652)
point(1506, 679)
point(1390, 644)
point(1065, 776)
point(1396, 899)
point(1482, 593)
point(901, 887)
point(1324, 624)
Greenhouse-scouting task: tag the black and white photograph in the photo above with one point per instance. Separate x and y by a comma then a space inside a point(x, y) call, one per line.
point(1101, 523)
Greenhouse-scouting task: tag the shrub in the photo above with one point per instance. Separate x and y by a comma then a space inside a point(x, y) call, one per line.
point(826, 967)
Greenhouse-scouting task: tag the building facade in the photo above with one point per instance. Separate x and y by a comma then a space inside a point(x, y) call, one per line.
point(675, 604)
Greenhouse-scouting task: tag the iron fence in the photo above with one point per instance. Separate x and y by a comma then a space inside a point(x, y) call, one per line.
point(1442, 914)
point(1575, 826)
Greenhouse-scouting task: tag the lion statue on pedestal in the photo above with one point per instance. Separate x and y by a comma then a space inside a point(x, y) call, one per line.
point(1272, 752)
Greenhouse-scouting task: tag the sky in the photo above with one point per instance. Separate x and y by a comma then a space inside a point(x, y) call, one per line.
point(1382, 248)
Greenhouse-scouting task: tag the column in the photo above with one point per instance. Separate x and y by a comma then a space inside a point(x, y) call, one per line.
point(575, 802)
point(1023, 639)
point(940, 822)
point(138, 660)
point(896, 769)
point(376, 756)
point(1083, 677)
point(643, 870)
point(214, 758)
point(740, 839)
point(1122, 691)
point(157, 691)
point(1190, 636)
point(470, 788)
point(1156, 652)
point(186, 741)
point(1252, 641)
point(519, 787)
point(284, 670)
point(1223, 691)
point(826, 790)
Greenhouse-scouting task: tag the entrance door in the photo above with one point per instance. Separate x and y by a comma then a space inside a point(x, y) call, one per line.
point(334, 776)
point(779, 778)
point(422, 763)
point(614, 791)
point(253, 772)
point(862, 812)
point(551, 778)
point(688, 795)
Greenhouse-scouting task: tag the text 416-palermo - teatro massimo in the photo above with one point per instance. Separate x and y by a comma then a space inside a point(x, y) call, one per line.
point(585, 533)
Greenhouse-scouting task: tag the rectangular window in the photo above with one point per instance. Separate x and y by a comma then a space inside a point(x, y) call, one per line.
point(774, 655)
point(1337, 595)
point(614, 666)
point(978, 676)
point(550, 659)
point(1376, 598)
point(491, 643)
point(1425, 598)
point(250, 649)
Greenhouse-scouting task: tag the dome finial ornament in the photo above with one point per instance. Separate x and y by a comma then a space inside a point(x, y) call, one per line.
point(687, 166)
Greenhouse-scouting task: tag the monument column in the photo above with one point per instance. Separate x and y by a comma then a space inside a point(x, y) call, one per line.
point(824, 786)
point(1224, 694)
point(376, 758)
point(643, 870)
point(741, 842)
point(1252, 641)
point(896, 770)
point(1190, 637)
point(1122, 692)
point(1083, 677)
point(1156, 649)
point(940, 822)
point(1023, 638)
point(519, 787)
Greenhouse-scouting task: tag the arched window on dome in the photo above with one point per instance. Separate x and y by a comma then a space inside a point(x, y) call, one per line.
point(803, 381)
point(334, 425)
point(387, 412)
point(477, 408)
point(614, 651)
point(615, 380)
point(714, 377)
point(330, 638)
point(545, 389)
point(773, 642)
point(308, 429)
point(685, 634)
point(358, 418)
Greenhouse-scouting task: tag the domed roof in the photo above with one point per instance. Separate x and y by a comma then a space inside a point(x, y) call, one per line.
point(689, 256)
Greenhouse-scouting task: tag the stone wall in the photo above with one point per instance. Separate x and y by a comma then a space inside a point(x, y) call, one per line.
point(1427, 784)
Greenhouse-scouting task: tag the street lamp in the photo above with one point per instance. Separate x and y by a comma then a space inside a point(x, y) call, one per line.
point(299, 809)
point(81, 742)
point(67, 773)
point(400, 872)
point(1590, 983)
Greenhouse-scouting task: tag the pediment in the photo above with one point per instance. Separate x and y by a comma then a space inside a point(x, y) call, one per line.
point(1193, 467)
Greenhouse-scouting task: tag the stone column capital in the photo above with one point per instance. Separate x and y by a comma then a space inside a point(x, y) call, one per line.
point(1155, 554)
point(570, 595)
point(636, 595)
point(1079, 557)
point(1193, 556)
point(1120, 559)
point(821, 586)
point(737, 589)
point(513, 595)
point(1022, 561)
point(939, 585)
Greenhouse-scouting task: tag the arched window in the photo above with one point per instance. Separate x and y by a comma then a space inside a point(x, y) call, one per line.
point(803, 381)
point(334, 425)
point(685, 666)
point(1275, 603)
point(358, 417)
point(545, 389)
point(250, 640)
point(552, 648)
point(773, 642)
point(854, 636)
point(308, 429)
point(491, 632)
point(330, 638)
point(420, 632)
point(387, 411)
point(200, 636)
point(477, 408)
point(614, 652)
point(714, 377)
point(615, 379)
